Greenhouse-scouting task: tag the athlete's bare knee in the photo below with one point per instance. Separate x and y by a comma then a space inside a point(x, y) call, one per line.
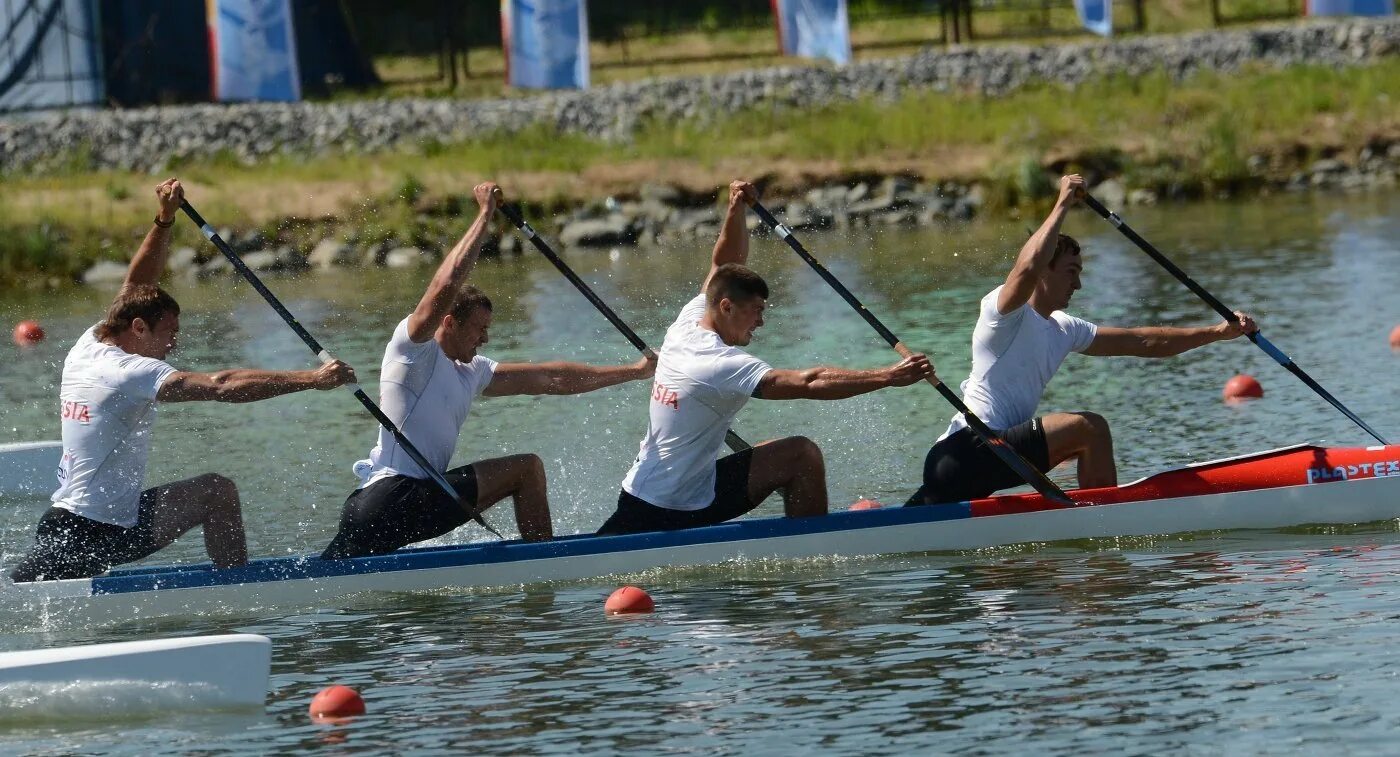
point(804, 449)
point(218, 488)
point(1095, 427)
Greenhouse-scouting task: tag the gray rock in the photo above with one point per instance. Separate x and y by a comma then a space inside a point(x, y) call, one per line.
point(1142, 197)
point(895, 187)
point(599, 232)
point(263, 260)
point(183, 260)
point(406, 257)
point(217, 266)
point(1111, 193)
point(330, 253)
point(1327, 165)
point(691, 222)
point(873, 205)
point(105, 272)
point(663, 194)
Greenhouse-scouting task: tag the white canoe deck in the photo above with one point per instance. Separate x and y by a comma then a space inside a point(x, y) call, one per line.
point(199, 672)
point(29, 467)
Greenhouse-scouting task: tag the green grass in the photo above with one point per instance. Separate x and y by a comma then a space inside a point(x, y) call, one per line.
point(1197, 133)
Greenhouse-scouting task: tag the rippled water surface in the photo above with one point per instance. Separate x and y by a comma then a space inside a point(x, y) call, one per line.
point(1218, 642)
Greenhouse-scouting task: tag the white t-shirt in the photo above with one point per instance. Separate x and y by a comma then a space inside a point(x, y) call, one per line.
point(701, 384)
point(427, 395)
point(1014, 355)
point(107, 406)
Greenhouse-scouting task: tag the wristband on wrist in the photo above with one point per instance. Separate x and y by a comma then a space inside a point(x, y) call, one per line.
point(164, 224)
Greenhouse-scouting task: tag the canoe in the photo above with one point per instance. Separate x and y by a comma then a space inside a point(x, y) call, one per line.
point(29, 467)
point(152, 676)
point(1279, 488)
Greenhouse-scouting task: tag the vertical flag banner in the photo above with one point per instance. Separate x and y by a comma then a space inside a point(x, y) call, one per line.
point(50, 54)
point(1096, 15)
point(252, 50)
point(546, 43)
point(1351, 7)
point(814, 29)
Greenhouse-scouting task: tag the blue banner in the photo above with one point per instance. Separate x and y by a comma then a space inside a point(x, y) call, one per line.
point(1096, 15)
point(546, 43)
point(814, 29)
point(1351, 7)
point(49, 54)
point(253, 50)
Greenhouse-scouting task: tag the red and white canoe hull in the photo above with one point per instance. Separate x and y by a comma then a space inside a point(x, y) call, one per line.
point(1283, 488)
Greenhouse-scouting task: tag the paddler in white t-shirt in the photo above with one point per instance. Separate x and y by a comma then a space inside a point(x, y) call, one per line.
point(430, 377)
point(703, 379)
point(1022, 336)
point(113, 379)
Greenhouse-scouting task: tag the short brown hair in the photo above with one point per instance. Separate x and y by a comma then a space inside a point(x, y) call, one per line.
point(469, 298)
point(148, 302)
point(736, 282)
point(1067, 245)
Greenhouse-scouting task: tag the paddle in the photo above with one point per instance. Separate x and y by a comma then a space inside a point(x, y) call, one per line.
point(1229, 315)
point(325, 357)
point(995, 443)
point(513, 214)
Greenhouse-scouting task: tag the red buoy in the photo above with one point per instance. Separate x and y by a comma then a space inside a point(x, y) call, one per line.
point(337, 702)
point(628, 599)
point(1395, 339)
point(28, 333)
point(1243, 387)
point(865, 504)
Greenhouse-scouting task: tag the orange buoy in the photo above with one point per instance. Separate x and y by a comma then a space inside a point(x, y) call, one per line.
point(337, 702)
point(1243, 387)
point(865, 504)
point(628, 599)
point(28, 332)
point(1395, 339)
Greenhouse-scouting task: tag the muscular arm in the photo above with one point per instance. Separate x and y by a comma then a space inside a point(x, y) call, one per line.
point(149, 262)
point(455, 268)
point(820, 383)
point(237, 385)
point(826, 383)
point(562, 378)
point(732, 246)
point(1153, 341)
point(1033, 261)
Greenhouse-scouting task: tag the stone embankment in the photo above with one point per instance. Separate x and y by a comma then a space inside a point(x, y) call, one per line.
point(661, 215)
point(150, 139)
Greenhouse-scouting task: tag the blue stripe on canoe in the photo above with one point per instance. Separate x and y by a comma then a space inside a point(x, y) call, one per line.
point(425, 558)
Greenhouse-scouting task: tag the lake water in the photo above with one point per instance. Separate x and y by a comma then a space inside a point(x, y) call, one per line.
point(1244, 642)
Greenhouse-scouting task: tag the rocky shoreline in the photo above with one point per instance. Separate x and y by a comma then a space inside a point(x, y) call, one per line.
point(661, 214)
point(152, 139)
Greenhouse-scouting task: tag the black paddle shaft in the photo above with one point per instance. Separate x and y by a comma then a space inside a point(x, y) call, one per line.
point(1257, 337)
point(512, 213)
point(325, 357)
point(1006, 452)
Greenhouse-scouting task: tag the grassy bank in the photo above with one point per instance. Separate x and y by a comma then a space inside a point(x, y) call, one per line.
point(1190, 137)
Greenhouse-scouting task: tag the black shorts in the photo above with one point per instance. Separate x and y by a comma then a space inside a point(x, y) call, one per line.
point(963, 467)
point(731, 500)
point(69, 545)
point(394, 512)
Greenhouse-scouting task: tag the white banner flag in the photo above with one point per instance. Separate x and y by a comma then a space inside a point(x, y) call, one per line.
point(253, 50)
